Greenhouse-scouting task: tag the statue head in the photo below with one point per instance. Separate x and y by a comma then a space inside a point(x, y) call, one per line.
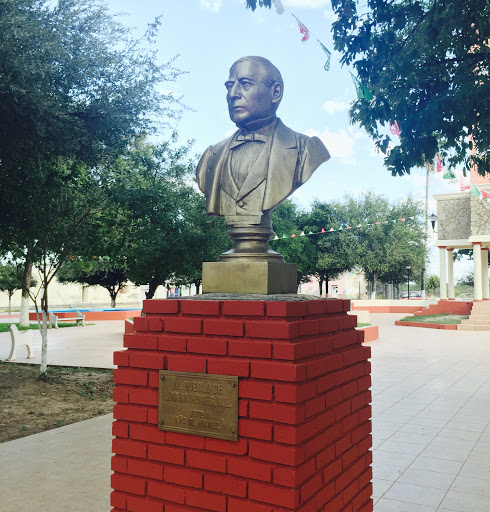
point(255, 89)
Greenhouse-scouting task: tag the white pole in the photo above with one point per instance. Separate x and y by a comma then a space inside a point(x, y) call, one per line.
point(484, 272)
point(477, 276)
point(442, 272)
point(450, 274)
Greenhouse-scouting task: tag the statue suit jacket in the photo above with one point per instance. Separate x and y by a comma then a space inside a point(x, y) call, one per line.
point(286, 162)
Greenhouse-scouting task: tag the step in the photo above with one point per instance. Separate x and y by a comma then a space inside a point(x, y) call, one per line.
point(480, 317)
point(471, 321)
point(463, 327)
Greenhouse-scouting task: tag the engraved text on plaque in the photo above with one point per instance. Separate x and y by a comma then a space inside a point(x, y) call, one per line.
point(199, 404)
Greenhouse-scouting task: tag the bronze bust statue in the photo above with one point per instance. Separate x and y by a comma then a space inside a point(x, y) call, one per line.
point(247, 175)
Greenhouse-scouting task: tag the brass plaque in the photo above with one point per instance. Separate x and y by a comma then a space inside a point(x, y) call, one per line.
point(199, 404)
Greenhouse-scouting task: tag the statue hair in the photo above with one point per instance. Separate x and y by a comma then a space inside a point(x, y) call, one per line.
point(270, 74)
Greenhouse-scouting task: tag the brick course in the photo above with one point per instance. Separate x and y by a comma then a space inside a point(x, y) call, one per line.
point(304, 410)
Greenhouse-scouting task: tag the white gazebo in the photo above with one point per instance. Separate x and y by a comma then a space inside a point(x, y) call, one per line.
point(464, 223)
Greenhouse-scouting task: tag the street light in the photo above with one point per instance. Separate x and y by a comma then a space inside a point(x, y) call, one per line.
point(408, 267)
point(433, 219)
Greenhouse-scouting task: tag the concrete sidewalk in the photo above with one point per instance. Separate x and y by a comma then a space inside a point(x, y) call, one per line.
point(91, 346)
point(431, 431)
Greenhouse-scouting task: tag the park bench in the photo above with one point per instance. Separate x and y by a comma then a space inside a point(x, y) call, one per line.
point(54, 319)
point(20, 338)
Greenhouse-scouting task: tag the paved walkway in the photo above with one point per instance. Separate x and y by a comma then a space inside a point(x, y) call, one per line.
point(431, 430)
point(91, 346)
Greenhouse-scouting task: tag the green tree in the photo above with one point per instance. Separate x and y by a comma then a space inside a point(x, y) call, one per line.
point(288, 220)
point(433, 282)
point(104, 272)
point(335, 251)
point(76, 88)
point(11, 280)
point(205, 239)
point(386, 244)
point(156, 221)
point(426, 63)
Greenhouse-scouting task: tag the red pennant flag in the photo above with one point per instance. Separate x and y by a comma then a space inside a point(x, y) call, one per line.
point(303, 30)
point(293, 235)
point(403, 219)
point(395, 129)
point(463, 185)
point(484, 194)
point(439, 165)
point(322, 231)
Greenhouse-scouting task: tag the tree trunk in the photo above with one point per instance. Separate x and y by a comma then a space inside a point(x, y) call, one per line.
point(320, 286)
point(152, 288)
point(24, 303)
point(113, 300)
point(373, 287)
point(10, 302)
point(326, 286)
point(44, 333)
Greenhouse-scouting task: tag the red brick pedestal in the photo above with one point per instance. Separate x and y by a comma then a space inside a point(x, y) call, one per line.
point(304, 414)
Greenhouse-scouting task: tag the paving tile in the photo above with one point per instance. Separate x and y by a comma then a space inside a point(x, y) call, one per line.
point(380, 486)
point(472, 485)
point(450, 467)
point(403, 460)
point(387, 472)
point(400, 447)
point(427, 478)
point(465, 502)
point(419, 494)
point(387, 505)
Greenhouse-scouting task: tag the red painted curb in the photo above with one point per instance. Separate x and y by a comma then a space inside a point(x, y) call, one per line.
point(447, 327)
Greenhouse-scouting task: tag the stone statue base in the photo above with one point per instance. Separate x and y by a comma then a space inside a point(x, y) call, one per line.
point(238, 276)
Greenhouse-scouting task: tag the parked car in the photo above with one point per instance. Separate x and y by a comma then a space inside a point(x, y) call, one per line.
point(415, 295)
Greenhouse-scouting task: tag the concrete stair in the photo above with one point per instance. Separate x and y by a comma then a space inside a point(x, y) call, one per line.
point(479, 319)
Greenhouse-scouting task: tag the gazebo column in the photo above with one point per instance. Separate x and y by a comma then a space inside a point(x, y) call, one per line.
point(442, 272)
point(477, 272)
point(450, 274)
point(484, 273)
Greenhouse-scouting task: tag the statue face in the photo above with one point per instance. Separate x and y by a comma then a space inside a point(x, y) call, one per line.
point(248, 97)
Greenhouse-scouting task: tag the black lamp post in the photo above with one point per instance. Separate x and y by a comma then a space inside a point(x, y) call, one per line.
point(433, 218)
point(408, 267)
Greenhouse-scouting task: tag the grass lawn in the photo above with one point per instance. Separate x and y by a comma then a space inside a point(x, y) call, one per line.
point(440, 318)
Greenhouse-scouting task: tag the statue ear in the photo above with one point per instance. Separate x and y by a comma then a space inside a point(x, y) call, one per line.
point(277, 89)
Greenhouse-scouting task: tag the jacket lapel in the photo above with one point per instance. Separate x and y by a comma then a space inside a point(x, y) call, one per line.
point(283, 164)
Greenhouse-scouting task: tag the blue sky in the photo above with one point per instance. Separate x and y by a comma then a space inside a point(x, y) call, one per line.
point(209, 35)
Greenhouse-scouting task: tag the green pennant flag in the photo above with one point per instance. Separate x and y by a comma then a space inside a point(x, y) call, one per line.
point(284, 236)
point(311, 233)
point(327, 63)
point(362, 92)
point(449, 175)
point(394, 221)
point(475, 191)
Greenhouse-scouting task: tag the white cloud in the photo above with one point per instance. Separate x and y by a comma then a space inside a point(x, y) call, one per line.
point(332, 106)
point(211, 5)
point(341, 144)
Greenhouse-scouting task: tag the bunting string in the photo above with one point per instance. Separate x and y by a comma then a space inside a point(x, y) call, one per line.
point(302, 29)
point(323, 231)
point(361, 90)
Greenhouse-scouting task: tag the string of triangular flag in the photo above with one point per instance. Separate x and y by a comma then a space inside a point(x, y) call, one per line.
point(361, 90)
point(323, 231)
point(457, 177)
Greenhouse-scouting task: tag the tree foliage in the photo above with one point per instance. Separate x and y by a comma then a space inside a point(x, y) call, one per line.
point(11, 280)
point(288, 219)
point(433, 282)
point(73, 82)
point(335, 252)
point(426, 63)
point(111, 275)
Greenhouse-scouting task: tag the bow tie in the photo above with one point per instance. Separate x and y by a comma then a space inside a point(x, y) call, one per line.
point(251, 137)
